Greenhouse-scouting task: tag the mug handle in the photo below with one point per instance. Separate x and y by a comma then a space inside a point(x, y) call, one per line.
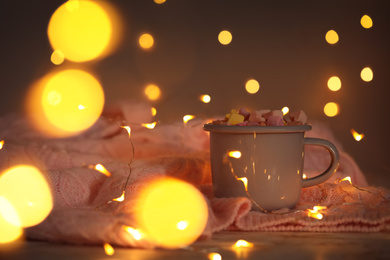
point(334, 154)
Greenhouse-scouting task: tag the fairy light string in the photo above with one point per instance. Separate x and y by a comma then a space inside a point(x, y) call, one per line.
point(128, 129)
point(359, 188)
point(317, 212)
point(124, 125)
point(237, 155)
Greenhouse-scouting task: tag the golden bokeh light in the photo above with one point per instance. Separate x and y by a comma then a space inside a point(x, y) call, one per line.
point(252, 86)
point(100, 168)
point(285, 110)
point(159, 1)
point(214, 256)
point(366, 21)
point(332, 37)
point(135, 233)
point(108, 249)
point(1, 144)
point(72, 5)
point(182, 225)
point(27, 190)
point(120, 198)
point(358, 137)
point(187, 118)
point(84, 30)
point(57, 57)
point(331, 109)
point(146, 41)
point(205, 98)
point(65, 103)
point(128, 129)
point(10, 225)
point(242, 243)
point(225, 37)
point(315, 212)
point(244, 181)
point(235, 154)
point(366, 74)
point(152, 92)
point(171, 213)
point(334, 83)
point(348, 179)
point(153, 111)
point(149, 125)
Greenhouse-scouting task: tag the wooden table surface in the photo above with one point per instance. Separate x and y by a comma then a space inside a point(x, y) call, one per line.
point(267, 245)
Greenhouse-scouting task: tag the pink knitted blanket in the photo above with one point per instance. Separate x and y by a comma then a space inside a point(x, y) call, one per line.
point(82, 216)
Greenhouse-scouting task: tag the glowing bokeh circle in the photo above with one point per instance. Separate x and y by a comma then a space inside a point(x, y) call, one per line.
point(65, 103)
point(81, 30)
point(171, 213)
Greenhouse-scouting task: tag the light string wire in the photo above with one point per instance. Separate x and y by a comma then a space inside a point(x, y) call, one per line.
point(245, 186)
point(361, 189)
point(124, 125)
point(298, 210)
point(131, 160)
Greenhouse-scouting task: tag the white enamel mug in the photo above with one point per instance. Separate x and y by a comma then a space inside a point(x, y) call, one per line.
point(264, 163)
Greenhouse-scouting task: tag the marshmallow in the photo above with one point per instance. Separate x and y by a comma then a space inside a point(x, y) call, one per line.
point(299, 116)
point(275, 121)
point(256, 116)
point(244, 112)
point(278, 113)
point(263, 111)
point(263, 117)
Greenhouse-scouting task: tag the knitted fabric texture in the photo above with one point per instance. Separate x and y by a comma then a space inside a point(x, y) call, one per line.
point(81, 214)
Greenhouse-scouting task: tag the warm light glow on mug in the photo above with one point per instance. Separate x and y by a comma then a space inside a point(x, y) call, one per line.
point(366, 74)
point(331, 109)
point(65, 103)
point(83, 30)
point(152, 92)
point(28, 192)
point(366, 21)
point(334, 83)
point(146, 41)
point(332, 37)
point(252, 86)
point(171, 213)
point(225, 37)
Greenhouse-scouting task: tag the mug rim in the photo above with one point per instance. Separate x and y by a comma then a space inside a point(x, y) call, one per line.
point(256, 129)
